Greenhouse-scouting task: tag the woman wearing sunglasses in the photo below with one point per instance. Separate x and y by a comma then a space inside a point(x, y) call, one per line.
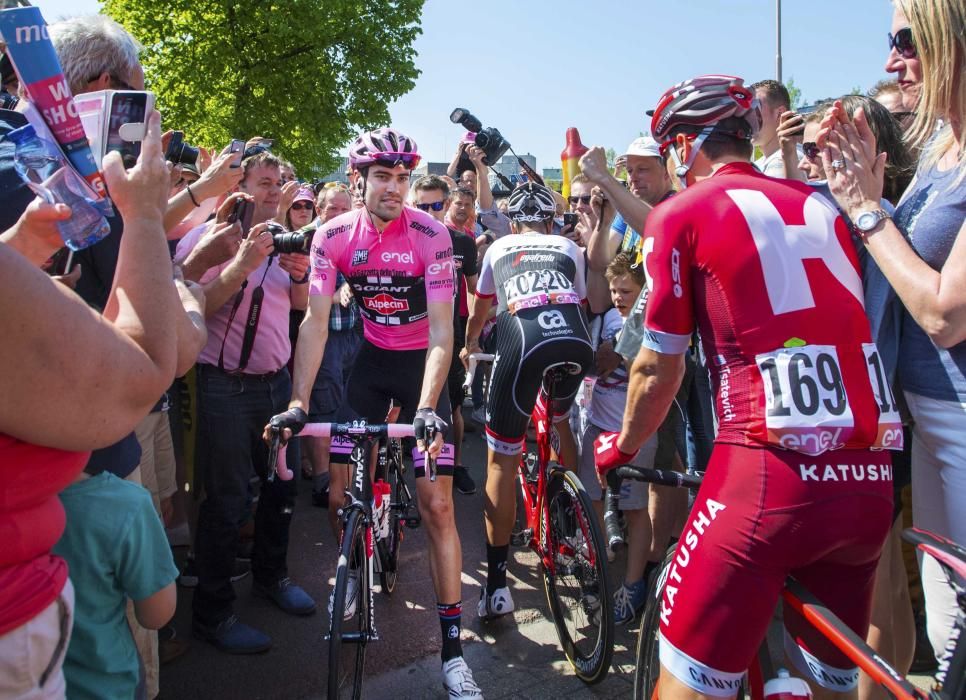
point(922, 254)
point(302, 210)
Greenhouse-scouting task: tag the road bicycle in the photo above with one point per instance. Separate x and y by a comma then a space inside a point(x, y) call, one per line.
point(372, 533)
point(950, 679)
point(558, 523)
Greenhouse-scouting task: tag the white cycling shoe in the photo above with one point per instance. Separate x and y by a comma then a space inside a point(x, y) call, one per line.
point(351, 595)
point(458, 680)
point(499, 603)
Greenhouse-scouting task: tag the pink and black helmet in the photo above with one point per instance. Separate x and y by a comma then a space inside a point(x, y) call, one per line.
point(702, 102)
point(385, 146)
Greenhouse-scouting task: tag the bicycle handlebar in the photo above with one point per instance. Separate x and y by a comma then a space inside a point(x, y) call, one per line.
point(352, 429)
point(474, 358)
point(663, 477)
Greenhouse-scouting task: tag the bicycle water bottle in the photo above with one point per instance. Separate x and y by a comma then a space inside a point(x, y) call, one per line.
point(381, 498)
point(787, 688)
point(41, 165)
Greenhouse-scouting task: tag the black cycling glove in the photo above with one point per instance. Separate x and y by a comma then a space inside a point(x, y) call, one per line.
point(427, 424)
point(294, 419)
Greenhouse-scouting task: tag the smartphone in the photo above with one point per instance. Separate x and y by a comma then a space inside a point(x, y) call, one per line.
point(238, 148)
point(242, 212)
point(569, 219)
point(127, 123)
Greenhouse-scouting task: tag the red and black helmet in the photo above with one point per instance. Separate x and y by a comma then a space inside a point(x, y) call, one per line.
point(702, 102)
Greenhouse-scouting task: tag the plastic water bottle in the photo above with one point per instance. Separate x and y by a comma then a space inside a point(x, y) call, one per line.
point(381, 498)
point(40, 164)
point(787, 688)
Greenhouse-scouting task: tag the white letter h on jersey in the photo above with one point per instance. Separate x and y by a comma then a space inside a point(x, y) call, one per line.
point(783, 248)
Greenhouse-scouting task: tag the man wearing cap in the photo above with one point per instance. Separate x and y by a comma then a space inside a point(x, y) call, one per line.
point(648, 182)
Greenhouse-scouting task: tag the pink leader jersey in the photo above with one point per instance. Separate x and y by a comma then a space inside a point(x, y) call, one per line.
point(393, 274)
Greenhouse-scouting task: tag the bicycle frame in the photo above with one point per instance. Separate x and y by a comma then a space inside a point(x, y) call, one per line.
point(535, 492)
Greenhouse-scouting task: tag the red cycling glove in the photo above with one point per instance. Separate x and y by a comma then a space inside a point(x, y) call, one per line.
point(606, 454)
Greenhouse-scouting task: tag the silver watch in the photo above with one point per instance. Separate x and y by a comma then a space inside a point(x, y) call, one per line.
point(868, 220)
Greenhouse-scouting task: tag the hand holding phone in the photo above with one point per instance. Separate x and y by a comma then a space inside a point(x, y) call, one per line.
point(237, 147)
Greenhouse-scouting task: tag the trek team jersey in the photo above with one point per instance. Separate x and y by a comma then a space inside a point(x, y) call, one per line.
point(393, 274)
point(532, 269)
point(768, 271)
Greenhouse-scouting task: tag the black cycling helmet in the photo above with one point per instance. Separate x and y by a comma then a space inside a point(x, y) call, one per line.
point(531, 202)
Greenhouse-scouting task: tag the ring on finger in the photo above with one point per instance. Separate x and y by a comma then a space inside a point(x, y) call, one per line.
point(837, 164)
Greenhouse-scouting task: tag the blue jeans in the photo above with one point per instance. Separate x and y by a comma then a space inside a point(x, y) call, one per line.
point(232, 411)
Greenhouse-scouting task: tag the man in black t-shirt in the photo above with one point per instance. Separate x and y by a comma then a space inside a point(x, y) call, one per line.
point(432, 195)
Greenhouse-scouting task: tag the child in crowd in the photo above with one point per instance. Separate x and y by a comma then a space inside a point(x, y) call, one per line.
point(605, 412)
point(116, 549)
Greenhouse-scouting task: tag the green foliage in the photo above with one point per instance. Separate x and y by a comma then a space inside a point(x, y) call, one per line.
point(794, 94)
point(308, 73)
point(556, 185)
point(611, 155)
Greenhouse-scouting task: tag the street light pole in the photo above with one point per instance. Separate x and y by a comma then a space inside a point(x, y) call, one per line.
point(778, 40)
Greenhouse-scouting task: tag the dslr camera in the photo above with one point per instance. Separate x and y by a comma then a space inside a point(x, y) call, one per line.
point(179, 152)
point(290, 241)
point(489, 140)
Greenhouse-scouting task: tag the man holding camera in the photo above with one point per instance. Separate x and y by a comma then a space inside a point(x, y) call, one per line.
point(242, 382)
point(399, 262)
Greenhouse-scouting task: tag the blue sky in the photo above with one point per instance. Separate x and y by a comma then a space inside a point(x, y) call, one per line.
point(532, 68)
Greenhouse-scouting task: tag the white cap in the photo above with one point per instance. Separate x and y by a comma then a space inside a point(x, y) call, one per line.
point(644, 146)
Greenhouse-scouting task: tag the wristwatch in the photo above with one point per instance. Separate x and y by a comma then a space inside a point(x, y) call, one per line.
point(868, 220)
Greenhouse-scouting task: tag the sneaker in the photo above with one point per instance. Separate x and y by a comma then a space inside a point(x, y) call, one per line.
point(244, 550)
point(233, 637)
point(497, 604)
point(351, 593)
point(287, 596)
point(479, 415)
point(188, 578)
point(458, 680)
point(463, 481)
point(320, 499)
point(629, 602)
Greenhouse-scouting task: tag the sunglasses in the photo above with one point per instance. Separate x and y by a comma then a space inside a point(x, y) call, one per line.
point(303, 204)
point(902, 42)
point(435, 206)
point(390, 159)
point(583, 199)
point(811, 150)
point(255, 150)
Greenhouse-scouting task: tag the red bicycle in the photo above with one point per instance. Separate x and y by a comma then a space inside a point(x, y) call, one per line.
point(950, 679)
point(559, 525)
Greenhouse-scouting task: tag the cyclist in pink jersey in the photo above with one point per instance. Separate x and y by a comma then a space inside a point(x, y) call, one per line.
point(765, 270)
point(399, 263)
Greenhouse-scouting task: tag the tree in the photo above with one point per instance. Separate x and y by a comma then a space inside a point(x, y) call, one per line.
point(794, 94)
point(308, 73)
point(611, 155)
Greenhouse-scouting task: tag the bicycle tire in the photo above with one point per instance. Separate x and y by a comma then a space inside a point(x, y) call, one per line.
point(402, 502)
point(347, 658)
point(571, 533)
point(648, 666)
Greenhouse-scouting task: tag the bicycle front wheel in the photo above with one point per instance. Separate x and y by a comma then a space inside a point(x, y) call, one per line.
point(401, 506)
point(575, 577)
point(648, 666)
point(350, 627)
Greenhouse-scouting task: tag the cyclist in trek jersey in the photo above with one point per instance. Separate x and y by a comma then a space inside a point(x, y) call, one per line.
point(766, 270)
point(399, 263)
point(538, 280)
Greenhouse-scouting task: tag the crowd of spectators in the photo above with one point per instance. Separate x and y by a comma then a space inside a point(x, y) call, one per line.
point(182, 285)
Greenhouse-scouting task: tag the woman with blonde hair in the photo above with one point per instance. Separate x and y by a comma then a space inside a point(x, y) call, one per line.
point(923, 256)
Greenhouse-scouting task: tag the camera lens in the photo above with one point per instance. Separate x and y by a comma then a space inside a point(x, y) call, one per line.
point(297, 242)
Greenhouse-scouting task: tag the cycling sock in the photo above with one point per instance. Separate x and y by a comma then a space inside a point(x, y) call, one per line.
point(450, 616)
point(496, 567)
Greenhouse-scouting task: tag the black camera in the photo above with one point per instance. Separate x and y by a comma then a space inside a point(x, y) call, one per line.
point(489, 140)
point(290, 241)
point(179, 152)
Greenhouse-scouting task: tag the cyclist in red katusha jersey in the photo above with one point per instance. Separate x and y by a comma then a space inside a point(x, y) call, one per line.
point(767, 273)
point(399, 263)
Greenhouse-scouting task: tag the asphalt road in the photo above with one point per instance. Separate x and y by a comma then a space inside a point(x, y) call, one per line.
point(514, 657)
